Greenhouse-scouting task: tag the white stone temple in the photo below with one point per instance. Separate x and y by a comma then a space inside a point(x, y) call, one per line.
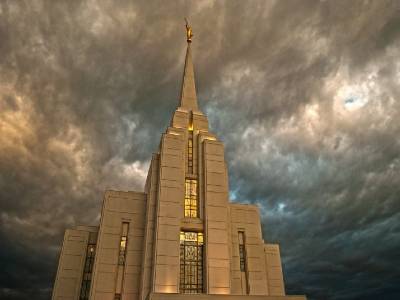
point(180, 238)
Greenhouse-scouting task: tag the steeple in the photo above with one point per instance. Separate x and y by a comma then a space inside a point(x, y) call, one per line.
point(188, 92)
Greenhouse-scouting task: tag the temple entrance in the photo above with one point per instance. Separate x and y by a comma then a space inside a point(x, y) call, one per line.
point(191, 262)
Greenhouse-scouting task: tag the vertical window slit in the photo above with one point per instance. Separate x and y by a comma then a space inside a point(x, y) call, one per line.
point(123, 244)
point(190, 153)
point(87, 272)
point(242, 261)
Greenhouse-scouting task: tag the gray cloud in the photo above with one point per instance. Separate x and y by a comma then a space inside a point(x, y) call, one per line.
point(304, 95)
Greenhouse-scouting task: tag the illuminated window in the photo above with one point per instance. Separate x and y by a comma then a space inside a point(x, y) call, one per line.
point(122, 244)
point(191, 198)
point(190, 153)
point(191, 262)
point(87, 272)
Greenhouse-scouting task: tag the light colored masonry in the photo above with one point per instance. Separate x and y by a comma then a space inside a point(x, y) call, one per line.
point(179, 239)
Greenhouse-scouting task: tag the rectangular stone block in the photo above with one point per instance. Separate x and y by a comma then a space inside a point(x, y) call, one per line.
point(166, 247)
point(168, 221)
point(171, 173)
point(217, 225)
point(172, 141)
point(170, 209)
point(106, 282)
point(67, 287)
point(104, 296)
point(218, 251)
point(219, 277)
point(218, 263)
point(216, 188)
point(217, 167)
point(172, 259)
point(254, 276)
point(131, 283)
point(110, 241)
point(217, 236)
point(72, 262)
point(254, 251)
point(220, 291)
point(133, 257)
point(218, 213)
point(256, 264)
point(108, 256)
point(74, 248)
point(214, 148)
point(167, 275)
point(217, 198)
point(212, 157)
point(274, 273)
point(175, 152)
point(169, 232)
point(216, 179)
point(170, 160)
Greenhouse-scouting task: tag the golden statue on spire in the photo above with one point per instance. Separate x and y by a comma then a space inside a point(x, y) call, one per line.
point(189, 32)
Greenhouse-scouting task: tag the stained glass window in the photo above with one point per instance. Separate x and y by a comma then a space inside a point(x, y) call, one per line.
point(191, 198)
point(191, 262)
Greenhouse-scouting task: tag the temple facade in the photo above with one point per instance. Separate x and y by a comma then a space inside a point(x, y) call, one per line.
point(180, 238)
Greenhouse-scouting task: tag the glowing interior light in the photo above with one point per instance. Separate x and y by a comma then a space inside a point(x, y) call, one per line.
point(190, 198)
point(191, 126)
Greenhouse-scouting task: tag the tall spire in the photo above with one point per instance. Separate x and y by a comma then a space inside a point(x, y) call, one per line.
point(188, 93)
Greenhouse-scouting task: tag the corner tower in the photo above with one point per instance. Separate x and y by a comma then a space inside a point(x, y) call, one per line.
point(179, 237)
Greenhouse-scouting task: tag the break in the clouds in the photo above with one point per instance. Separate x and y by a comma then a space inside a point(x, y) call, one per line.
point(304, 94)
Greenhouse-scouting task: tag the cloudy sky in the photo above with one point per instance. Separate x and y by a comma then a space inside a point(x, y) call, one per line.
point(304, 94)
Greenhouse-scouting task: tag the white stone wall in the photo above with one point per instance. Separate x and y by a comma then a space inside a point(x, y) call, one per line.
point(70, 265)
point(119, 207)
point(273, 264)
point(216, 219)
point(168, 214)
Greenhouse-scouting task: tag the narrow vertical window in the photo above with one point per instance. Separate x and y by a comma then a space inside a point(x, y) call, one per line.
point(123, 244)
point(191, 262)
point(242, 262)
point(122, 250)
point(191, 202)
point(87, 272)
point(242, 252)
point(190, 153)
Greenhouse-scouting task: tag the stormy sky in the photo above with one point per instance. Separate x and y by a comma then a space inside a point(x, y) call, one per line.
point(304, 94)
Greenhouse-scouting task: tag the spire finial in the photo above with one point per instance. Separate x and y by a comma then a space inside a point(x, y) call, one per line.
point(188, 92)
point(189, 32)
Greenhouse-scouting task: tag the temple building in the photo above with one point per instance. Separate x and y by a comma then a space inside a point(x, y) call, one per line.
point(180, 238)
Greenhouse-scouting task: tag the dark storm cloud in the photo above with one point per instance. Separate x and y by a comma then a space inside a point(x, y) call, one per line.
point(304, 95)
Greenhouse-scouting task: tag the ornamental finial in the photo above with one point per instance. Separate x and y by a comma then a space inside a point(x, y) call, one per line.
point(189, 32)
